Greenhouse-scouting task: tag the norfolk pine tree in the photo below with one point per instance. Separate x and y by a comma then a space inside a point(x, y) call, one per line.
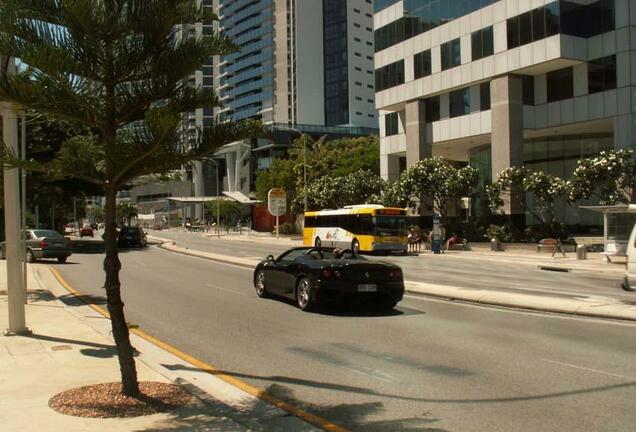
point(115, 67)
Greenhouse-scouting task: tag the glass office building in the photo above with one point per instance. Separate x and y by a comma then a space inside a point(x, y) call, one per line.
point(497, 84)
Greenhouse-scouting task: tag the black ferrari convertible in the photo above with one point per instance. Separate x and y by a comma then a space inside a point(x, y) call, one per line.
point(314, 276)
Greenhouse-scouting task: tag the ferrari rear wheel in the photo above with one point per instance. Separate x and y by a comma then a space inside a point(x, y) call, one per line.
point(259, 284)
point(303, 295)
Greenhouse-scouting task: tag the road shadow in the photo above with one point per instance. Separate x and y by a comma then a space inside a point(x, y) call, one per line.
point(353, 416)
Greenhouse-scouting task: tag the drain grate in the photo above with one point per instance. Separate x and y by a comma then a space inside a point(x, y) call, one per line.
point(61, 348)
point(555, 269)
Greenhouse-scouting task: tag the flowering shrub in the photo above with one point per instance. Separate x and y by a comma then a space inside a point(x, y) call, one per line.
point(610, 176)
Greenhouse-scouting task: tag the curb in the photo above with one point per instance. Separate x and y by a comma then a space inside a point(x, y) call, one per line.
point(598, 308)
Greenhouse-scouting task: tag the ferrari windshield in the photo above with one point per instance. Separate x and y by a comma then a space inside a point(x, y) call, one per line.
point(390, 226)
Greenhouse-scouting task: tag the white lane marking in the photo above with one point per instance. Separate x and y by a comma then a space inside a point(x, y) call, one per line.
point(573, 366)
point(227, 290)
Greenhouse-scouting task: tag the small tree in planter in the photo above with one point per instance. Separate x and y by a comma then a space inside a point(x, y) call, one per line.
point(437, 180)
point(515, 182)
point(610, 176)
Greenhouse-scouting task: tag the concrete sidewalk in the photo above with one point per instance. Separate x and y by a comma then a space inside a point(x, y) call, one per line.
point(71, 347)
point(591, 306)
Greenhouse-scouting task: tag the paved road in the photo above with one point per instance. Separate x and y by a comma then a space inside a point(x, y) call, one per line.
point(428, 366)
point(443, 270)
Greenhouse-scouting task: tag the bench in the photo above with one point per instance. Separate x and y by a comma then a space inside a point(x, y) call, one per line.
point(463, 246)
point(551, 243)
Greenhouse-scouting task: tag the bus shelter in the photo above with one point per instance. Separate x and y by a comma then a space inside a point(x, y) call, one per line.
point(618, 222)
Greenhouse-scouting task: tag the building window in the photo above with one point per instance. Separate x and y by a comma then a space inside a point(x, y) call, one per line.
point(389, 76)
point(534, 25)
point(431, 109)
point(601, 74)
point(527, 89)
point(422, 64)
point(484, 96)
point(482, 43)
point(459, 102)
point(391, 124)
point(560, 84)
point(451, 54)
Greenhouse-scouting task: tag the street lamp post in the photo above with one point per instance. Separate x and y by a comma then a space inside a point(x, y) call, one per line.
point(305, 171)
point(218, 205)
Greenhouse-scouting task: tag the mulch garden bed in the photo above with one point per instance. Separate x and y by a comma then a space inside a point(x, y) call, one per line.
point(108, 401)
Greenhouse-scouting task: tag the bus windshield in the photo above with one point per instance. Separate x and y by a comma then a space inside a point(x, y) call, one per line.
point(390, 226)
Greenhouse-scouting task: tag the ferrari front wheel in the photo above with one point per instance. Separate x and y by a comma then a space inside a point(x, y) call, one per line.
point(259, 284)
point(303, 295)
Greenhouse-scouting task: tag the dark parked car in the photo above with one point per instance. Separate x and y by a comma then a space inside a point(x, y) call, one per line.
point(313, 276)
point(44, 244)
point(87, 231)
point(132, 236)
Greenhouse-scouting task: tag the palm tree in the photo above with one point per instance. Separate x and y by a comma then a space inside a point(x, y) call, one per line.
point(117, 68)
point(126, 212)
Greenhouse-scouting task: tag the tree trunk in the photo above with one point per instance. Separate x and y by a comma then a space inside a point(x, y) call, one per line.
point(112, 266)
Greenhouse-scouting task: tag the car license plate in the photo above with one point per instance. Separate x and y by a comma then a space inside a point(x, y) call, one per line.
point(367, 288)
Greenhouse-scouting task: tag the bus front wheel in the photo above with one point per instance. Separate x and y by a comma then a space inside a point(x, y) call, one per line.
point(317, 242)
point(355, 246)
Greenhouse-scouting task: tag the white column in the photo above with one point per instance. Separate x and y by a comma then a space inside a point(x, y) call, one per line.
point(15, 281)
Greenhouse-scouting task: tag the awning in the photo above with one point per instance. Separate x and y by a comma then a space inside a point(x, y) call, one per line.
point(196, 200)
point(240, 197)
point(621, 208)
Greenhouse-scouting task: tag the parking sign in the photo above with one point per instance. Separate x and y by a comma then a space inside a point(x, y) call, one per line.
point(277, 202)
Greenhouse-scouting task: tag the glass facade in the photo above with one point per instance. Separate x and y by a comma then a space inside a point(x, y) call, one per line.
point(562, 16)
point(534, 25)
point(556, 156)
point(336, 63)
point(378, 5)
point(246, 76)
point(423, 15)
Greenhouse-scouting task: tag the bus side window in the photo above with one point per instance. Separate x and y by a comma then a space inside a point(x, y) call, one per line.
point(310, 222)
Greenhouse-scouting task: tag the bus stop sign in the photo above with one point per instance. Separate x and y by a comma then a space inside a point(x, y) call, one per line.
point(277, 202)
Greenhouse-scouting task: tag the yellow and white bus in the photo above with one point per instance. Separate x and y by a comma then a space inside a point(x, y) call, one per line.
point(361, 228)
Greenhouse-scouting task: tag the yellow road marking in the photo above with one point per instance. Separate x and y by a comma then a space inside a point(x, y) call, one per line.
point(247, 388)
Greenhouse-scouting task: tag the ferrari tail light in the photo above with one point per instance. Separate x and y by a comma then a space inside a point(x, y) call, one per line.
point(327, 274)
point(43, 243)
point(337, 274)
point(395, 273)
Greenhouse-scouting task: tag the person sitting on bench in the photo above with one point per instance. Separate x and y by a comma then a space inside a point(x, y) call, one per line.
point(453, 240)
